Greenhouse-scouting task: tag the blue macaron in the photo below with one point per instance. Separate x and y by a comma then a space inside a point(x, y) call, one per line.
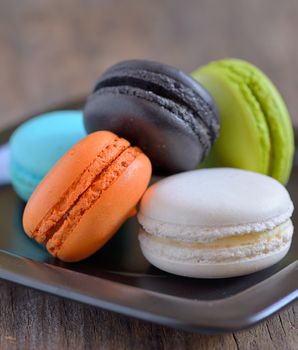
point(38, 144)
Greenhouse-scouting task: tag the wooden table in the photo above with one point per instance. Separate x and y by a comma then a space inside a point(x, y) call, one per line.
point(53, 50)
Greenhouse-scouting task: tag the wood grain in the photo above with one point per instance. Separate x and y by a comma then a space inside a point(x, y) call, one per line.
point(53, 50)
point(34, 320)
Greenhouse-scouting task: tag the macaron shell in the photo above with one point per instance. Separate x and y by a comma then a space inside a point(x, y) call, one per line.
point(214, 200)
point(216, 270)
point(108, 213)
point(244, 140)
point(38, 144)
point(23, 181)
point(166, 71)
point(246, 85)
point(55, 184)
point(141, 123)
point(276, 114)
point(158, 108)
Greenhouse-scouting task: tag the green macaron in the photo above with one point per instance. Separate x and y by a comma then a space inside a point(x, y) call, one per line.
point(256, 130)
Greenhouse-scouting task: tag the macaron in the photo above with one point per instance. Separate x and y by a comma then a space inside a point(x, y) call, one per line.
point(37, 144)
point(159, 108)
point(215, 223)
point(256, 130)
point(87, 196)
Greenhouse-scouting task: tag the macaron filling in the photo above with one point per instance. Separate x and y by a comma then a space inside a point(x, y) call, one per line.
point(209, 234)
point(228, 249)
point(57, 215)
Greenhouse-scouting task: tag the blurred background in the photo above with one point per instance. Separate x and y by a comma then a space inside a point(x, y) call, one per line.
point(53, 50)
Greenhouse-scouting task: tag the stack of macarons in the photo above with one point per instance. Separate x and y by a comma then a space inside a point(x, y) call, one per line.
point(88, 171)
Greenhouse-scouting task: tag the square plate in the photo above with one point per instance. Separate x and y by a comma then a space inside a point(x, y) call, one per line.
point(118, 278)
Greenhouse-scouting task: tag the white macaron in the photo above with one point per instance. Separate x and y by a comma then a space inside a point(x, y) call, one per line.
point(215, 223)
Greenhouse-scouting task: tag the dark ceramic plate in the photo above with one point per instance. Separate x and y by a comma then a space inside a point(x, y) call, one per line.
point(118, 278)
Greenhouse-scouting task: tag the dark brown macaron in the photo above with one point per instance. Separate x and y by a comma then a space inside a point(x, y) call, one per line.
point(158, 108)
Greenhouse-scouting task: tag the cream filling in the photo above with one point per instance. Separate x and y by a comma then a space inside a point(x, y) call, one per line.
point(207, 234)
point(226, 249)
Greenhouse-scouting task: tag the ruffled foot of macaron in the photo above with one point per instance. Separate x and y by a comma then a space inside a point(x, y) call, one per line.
point(215, 223)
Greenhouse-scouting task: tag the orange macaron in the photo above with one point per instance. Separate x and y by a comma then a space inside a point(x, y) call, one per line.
point(87, 196)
